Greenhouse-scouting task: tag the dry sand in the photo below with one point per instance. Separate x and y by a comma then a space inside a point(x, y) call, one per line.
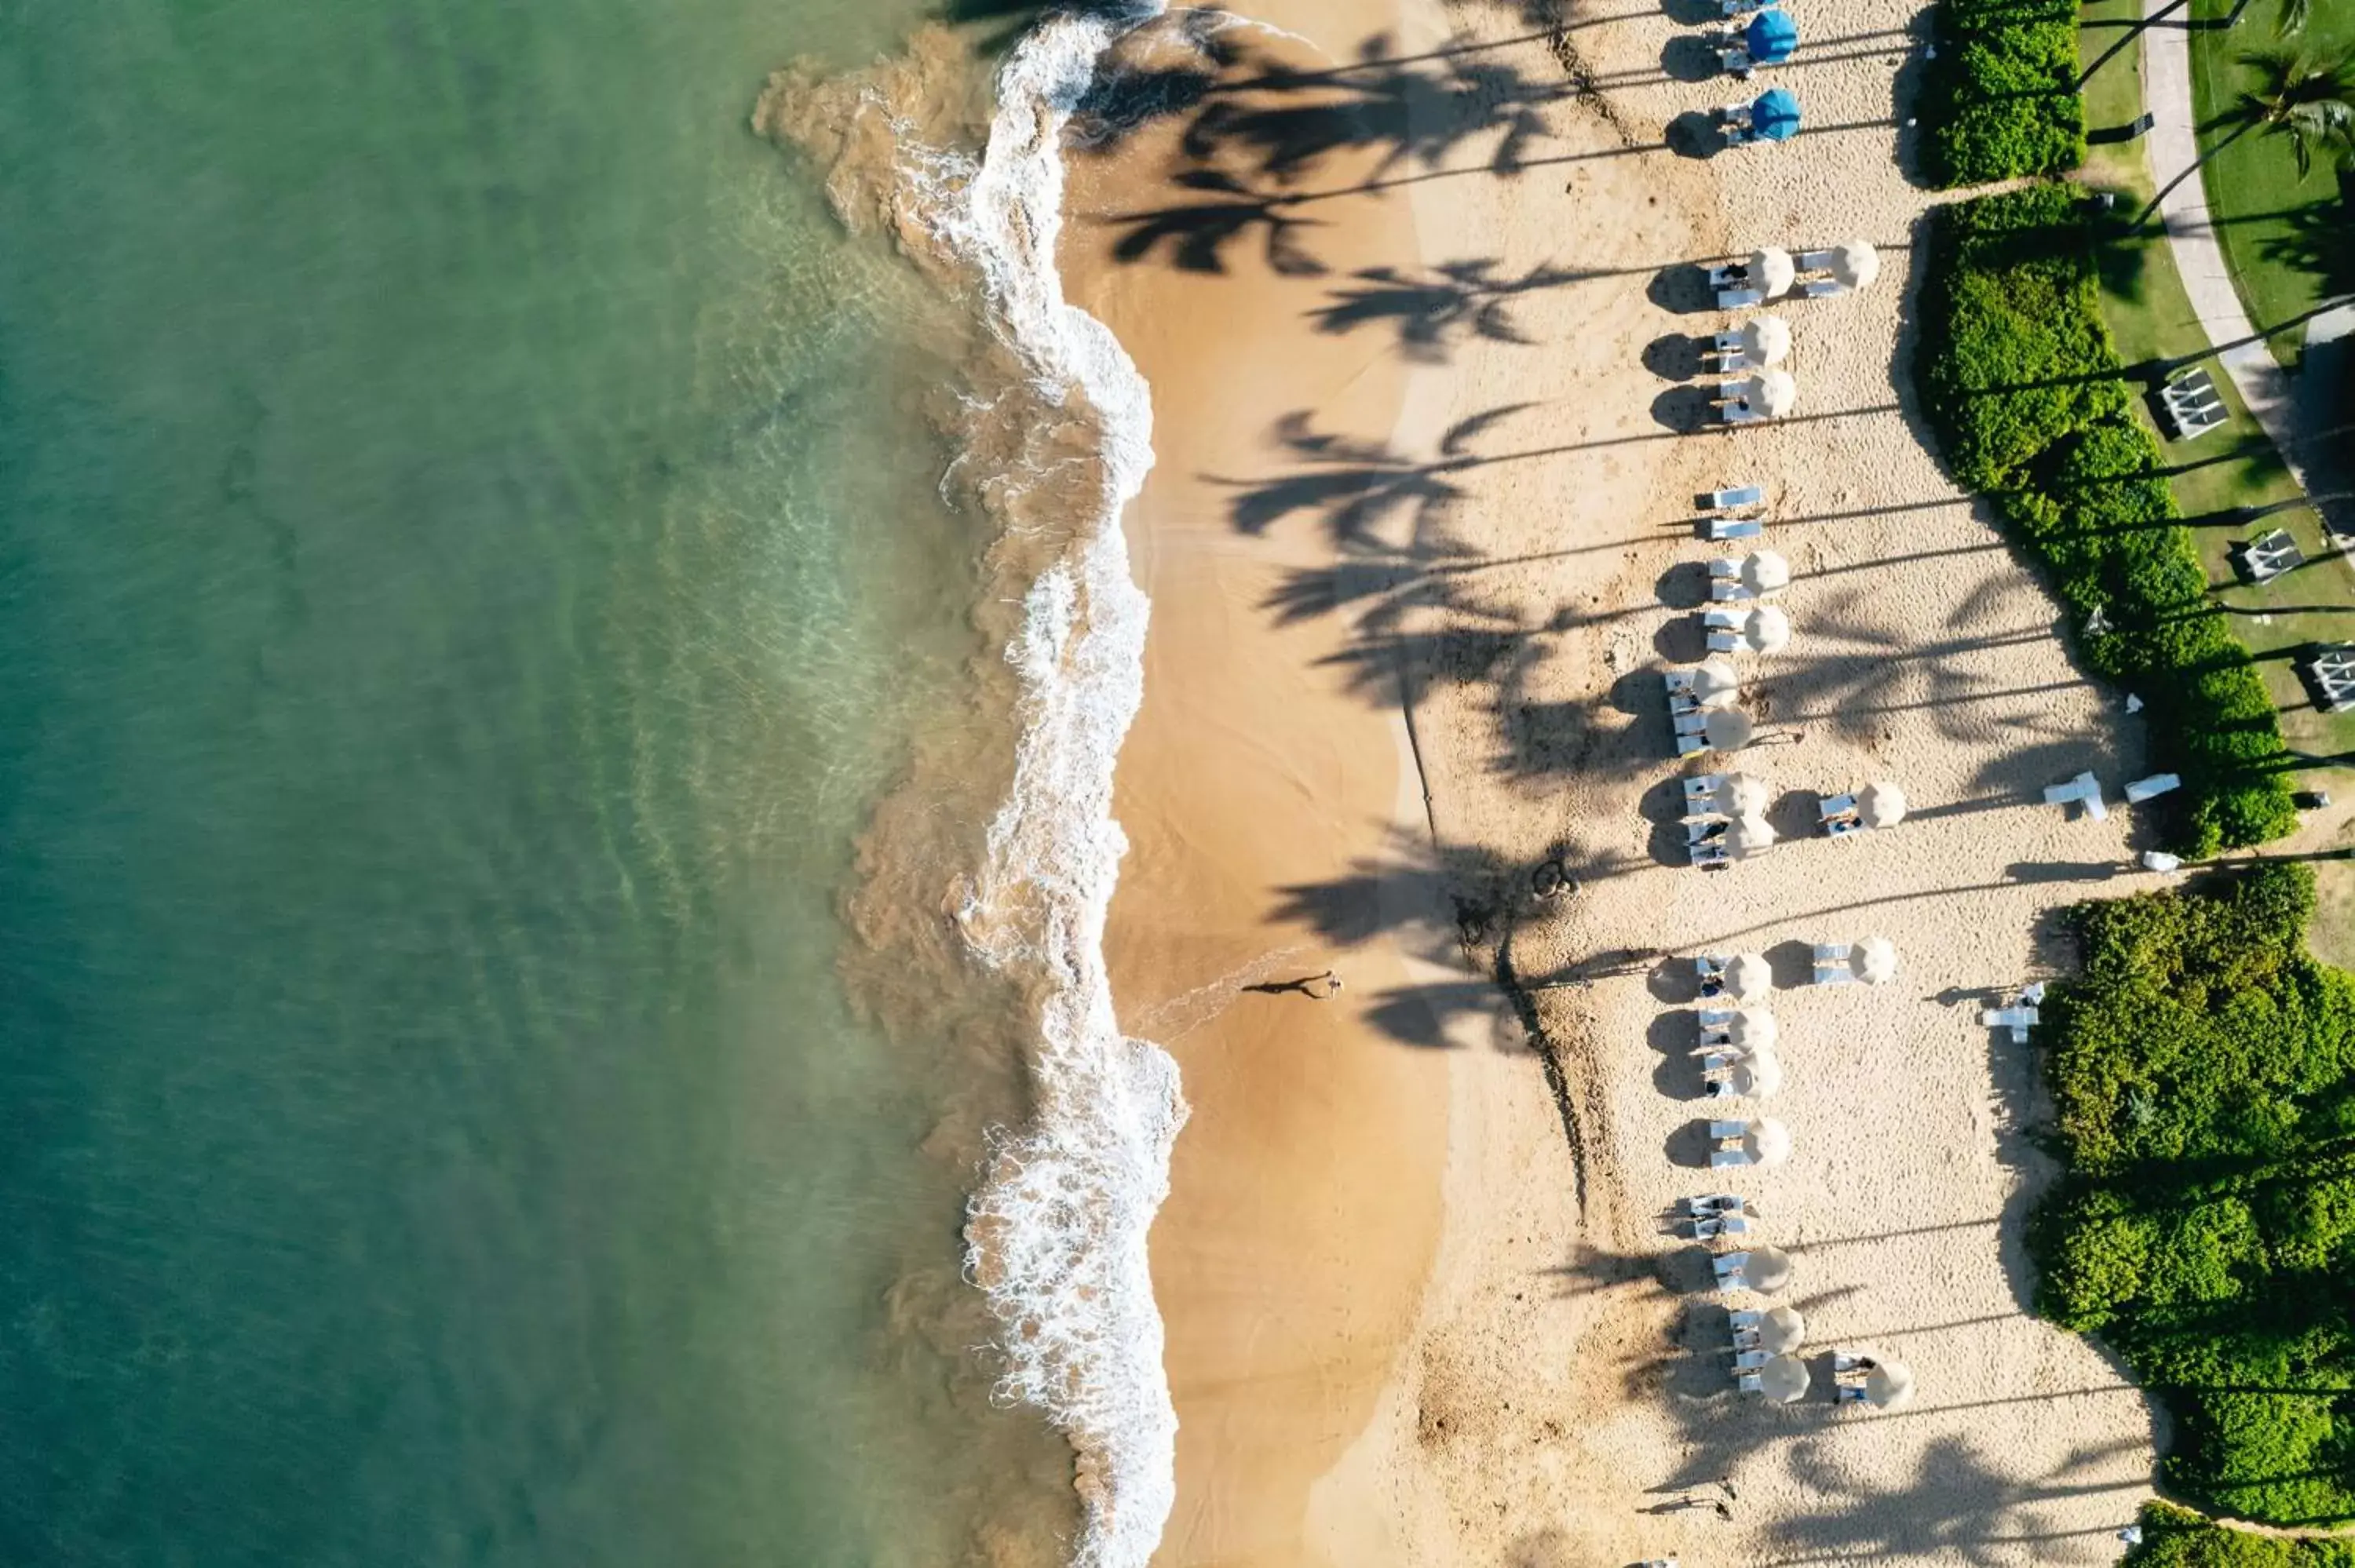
point(1424, 1304)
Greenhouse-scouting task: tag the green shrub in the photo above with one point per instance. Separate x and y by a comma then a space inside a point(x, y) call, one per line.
point(2202, 1066)
point(2001, 97)
point(2176, 1537)
point(2027, 392)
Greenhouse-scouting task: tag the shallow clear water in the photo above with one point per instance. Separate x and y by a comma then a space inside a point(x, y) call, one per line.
point(470, 557)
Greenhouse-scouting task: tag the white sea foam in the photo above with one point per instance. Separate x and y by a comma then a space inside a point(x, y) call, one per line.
point(1058, 1230)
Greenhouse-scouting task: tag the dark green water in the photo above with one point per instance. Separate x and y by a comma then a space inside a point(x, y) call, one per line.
point(467, 564)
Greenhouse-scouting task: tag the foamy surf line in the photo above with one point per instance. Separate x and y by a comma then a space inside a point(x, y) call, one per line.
point(1058, 1230)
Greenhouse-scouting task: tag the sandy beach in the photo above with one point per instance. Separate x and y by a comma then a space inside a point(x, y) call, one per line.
point(1420, 542)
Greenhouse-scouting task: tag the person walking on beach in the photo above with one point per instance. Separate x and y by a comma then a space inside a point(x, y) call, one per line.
point(1315, 987)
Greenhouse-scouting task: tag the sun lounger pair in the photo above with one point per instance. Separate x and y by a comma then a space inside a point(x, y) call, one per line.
point(1725, 584)
point(2190, 405)
point(2015, 1019)
point(2263, 559)
point(1832, 964)
point(1722, 627)
point(2083, 790)
point(2332, 673)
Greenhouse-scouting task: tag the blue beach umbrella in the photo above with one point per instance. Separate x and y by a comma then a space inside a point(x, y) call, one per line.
point(1771, 38)
point(1776, 115)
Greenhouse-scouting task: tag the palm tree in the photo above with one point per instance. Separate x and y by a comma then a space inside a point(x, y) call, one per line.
point(2310, 102)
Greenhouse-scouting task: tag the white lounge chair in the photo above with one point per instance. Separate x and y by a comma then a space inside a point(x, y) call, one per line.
point(1844, 1360)
point(1749, 1361)
point(2142, 789)
point(1819, 289)
point(1815, 261)
point(1848, 1394)
point(1724, 1130)
point(2083, 790)
point(1749, 1382)
point(1742, 1341)
point(1741, 494)
point(1708, 857)
point(1691, 745)
point(1746, 1319)
point(1689, 724)
point(1713, 1203)
point(1701, 791)
point(1739, 299)
point(1726, 1159)
point(1722, 529)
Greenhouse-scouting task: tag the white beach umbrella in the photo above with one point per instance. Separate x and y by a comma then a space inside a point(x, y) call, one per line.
point(1768, 1142)
point(1752, 1029)
point(1771, 392)
point(1889, 1385)
point(1749, 977)
point(1716, 684)
point(1748, 835)
point(1856, 264)
point(1766, 340)
point(1768, 629)
point(1772, 271)
point(1767, 1270)
point(1743, 795)
point(1727, 730)
point(1880, 804)
point(1783, 1380)
point(1758, 1075)
point(1781, 1330)
point(1765, 571)
point(1874, 960)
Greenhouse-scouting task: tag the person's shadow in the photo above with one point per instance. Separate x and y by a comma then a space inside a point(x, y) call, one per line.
point(1315, 987)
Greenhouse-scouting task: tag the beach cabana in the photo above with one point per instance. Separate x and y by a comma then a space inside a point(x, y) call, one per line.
point(1767, 630)
point(1727, 730)
point(1767, 1269)
point(1765, 572)
point(1715, 685)
point(1757, 1076)
point(1874, 960)
point(1765, 340)
point(1772, 271)
point(1768, 1142)
point(1781, 1330)
point(1771, 38)
point(1880, 804)
point(1855, 264)
point(1783, 1380)
point(1748, 835)
point(1889, 1385)
point(1749, 977)
point(1775, 115)
point(1743, 795)
point(1751, 1028)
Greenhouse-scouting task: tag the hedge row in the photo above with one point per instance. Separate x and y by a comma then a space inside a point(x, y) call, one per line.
point(2203, 1070)
point(2178, 1538)
point(2020, 378)
point(2000, 95)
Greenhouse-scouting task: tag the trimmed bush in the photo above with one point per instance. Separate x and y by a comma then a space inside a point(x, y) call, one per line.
point(2177, 1538)
point(2203, 1070)
point(2002, 98)
point(2031, 405)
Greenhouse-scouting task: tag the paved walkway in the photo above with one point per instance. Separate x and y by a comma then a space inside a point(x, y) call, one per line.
point(2173, 149)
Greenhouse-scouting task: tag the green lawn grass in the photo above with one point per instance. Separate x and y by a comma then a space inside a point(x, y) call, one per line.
point(2282, 234)
point(2150, 317)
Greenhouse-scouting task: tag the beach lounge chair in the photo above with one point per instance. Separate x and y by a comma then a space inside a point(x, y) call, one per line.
point(1749, 1382)
point(1714, 1018)
point(1691, 745)
point(1749, 1361)
point(1837, 806)
point(1701, 794)
point(1723, 528)
point(2190, 405)
point(1677, 681)
point(1815, 261)
point(1819, 289)
point(2083, 790)
point(1845, 1361)
point(1738, 299)
point(2263, 559)
point(1713, 1204)
point(1726, 1159)
point(1743, 1341)
point(1740, 413)
point(1690, 723)
point(1732, 116)
point(1729, 1263)
point(1712, 970)
point(1832, 964)
point(1717, 1225)
point(1734, 1225)
point(1848, 1394)
point(1728, 275)
point(1746, 1319)
point(1708, 857)
point(1718, 1063)
point(1740, 495)
point(1725, 1131)
point(1735, 60)
point(2158, 784)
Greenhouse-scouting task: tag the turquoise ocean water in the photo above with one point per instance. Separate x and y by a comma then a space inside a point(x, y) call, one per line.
point(472, 555)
